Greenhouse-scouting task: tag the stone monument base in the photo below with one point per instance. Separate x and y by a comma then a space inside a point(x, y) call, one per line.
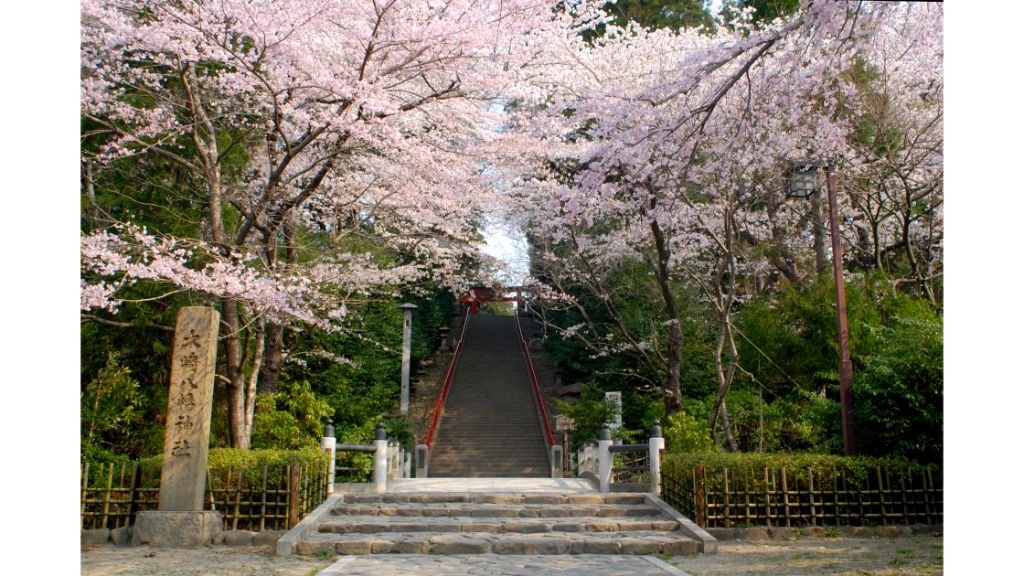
point(168, 529)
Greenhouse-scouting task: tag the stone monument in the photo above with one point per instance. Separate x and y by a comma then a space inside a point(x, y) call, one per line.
point(179, 520)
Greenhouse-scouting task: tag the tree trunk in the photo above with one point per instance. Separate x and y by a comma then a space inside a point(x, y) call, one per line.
point(273, 359)
point(235, 366)
point(727, 426)
point(671, 393)
point(273, 355)
point(250, 392)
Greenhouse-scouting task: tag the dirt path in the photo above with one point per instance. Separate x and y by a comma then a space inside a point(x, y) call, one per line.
point(907, 556)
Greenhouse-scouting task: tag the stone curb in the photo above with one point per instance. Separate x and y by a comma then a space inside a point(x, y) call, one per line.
point(668, 568)
point(286, 544)
point(776, 533)
point(708, 543)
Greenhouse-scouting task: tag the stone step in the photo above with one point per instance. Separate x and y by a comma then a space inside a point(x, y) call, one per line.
point(434, 510)
point(498, 523)
point(499, 543)
point(510, 498)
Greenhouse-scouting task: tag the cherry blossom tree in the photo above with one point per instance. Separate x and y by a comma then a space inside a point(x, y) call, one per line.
point(355, 121)
point(671, 149)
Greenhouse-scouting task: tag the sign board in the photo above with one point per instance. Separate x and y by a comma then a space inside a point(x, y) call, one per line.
point(615, 399)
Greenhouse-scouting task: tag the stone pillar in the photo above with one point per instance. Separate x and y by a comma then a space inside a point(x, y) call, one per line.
point(657, 444)
point(604, 459)
point(179, 520)
point(394, 453)
point(421, 460)
point(380, 460)
point(556, 461)
point(406, 354)
point(329, 445)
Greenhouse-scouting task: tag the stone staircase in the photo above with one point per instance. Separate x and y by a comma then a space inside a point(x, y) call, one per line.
point(490, 427)
point(497, 523)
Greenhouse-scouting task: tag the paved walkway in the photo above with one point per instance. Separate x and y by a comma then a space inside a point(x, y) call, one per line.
point(498, 565)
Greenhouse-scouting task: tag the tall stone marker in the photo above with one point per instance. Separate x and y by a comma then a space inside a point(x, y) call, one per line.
point(179, 520)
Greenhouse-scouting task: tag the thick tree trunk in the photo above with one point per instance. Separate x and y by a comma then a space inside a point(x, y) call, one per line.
point(671, 393)
point(273, 354)
point(273, 359)
point(727, 426)
point(234, 355)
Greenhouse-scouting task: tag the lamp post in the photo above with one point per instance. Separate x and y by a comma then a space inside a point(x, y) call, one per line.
point(406, 354)
point(804, 179)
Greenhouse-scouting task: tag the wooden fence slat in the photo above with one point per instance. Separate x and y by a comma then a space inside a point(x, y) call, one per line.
point(835, 495)
point(881, 493)
point(85, 490)
point(106, 495)
point(903, 493)
point(700, 495)
point(238, 495)
point(133, 493)
point(263, 501)
point(810, 491)
point(293, 495)
point(785, 497)
point(725, 493)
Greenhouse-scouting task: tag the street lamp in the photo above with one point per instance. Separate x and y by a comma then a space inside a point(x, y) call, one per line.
point(802, 180)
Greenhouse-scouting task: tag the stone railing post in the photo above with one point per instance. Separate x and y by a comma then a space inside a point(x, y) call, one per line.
point(380, 459)
point(393, 468)
point(657, 444)
point(406, 464)
point(588, 458)
point(329, 445)
point(604, 459)
point(421, 460)
point(557, 466)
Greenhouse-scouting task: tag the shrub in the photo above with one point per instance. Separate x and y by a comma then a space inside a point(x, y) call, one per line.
point(249, 462)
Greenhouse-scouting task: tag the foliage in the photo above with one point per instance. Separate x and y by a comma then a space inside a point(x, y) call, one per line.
point(790, 347)
point(898, 391)
point(824, 466)
point(291, 418)
point(686, 434)
point(589, 412)
point(111, 407)
point(249, 462)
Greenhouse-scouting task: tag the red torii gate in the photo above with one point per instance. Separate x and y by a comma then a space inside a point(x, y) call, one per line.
point(479, 294)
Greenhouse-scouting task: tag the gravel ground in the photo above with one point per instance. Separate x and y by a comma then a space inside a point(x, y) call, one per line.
point(906, 556)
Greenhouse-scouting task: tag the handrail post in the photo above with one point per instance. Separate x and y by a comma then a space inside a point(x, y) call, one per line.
point(329, 445)
point(656, 445)
point(604, 459)
point(422, 454)
point(380, 459)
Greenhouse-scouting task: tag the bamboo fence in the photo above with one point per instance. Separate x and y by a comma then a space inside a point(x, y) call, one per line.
point(112, 494)
point(878, 496)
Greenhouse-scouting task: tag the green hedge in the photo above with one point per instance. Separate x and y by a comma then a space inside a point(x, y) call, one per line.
point(235, 459)
point(820, 463)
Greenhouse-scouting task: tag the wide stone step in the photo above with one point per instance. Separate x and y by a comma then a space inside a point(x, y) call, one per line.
point(499, 543)
point(510, 498)
point(435, 510)
point(496, 523)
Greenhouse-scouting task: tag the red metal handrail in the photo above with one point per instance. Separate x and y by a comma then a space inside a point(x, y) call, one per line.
point(447, 383)
point(533, 382)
